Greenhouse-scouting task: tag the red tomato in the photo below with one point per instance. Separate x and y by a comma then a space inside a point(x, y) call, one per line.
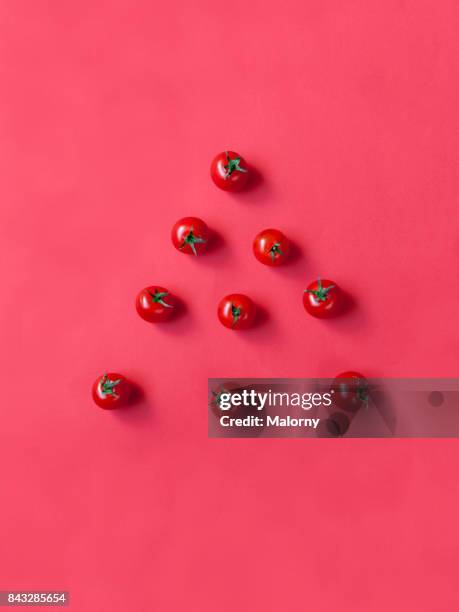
point(190, 235)
point(322, 298)
point(229, 171)
point(155, 304)
point(111, 391)
point(236, 311)
point(336, 425)
point(271, 247)
point(350, 391)
point(227, 387)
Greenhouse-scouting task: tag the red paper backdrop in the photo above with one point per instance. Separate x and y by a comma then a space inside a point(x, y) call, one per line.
point(110, 114)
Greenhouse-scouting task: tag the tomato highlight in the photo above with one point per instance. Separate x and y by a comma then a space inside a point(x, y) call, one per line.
point(111, 391)
point(229, 171)
point(236, 311)
point(271, 247)
point(155, 304)
point(322, 299)
point(190, 235)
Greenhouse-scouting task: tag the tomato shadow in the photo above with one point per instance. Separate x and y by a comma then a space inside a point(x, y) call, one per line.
point(137, 410)
point(253, 190)
point(215, 243)
point(350, 318)
point(348, 303)
point(263, 330)
point(295, 255)
point(217, 252)
point(179, 323)
point(255, 179)
point(436, 399)
point(180, 311)
point(137, 395)
point(292, 261)
point(348, 306)
point(334, 426)
point(214, 251)
point(262, 317)
point(375, 418)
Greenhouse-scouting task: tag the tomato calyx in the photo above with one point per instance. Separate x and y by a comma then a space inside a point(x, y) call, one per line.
point(321, 293)
point(275, 251)
point(359, 388)
point(236, 312)
point(232, 165)
point(218, 397)
point(107, 386)
point(157, 297)
point(362, 392)
point(191, 239)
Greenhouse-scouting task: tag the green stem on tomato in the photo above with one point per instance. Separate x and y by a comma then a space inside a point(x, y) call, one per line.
point(275, 251)
point(157, 297)
point(191, 240)
point(321, 293)
point(108, 385)
point(236, 312)
point(217, 397)
point(232, 165)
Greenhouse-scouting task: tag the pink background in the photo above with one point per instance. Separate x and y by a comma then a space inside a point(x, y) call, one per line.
point(110, 115)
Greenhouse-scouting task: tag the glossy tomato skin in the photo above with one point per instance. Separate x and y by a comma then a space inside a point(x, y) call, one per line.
point(322, 298)
point(190, 235)
point(236, 311)
point(271, 247)
point(229, 171)
point(350, 391)
point(155, 304)
point(111, 390)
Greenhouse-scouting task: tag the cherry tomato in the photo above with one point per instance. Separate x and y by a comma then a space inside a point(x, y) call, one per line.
point(337, 424)
point(350, 391)
point(190, 235)
point(111, 391)
point(271, 247)
point(155, 304)
point(236, 311)
point(322, 298)
point(229, 171)
point(227, 387)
